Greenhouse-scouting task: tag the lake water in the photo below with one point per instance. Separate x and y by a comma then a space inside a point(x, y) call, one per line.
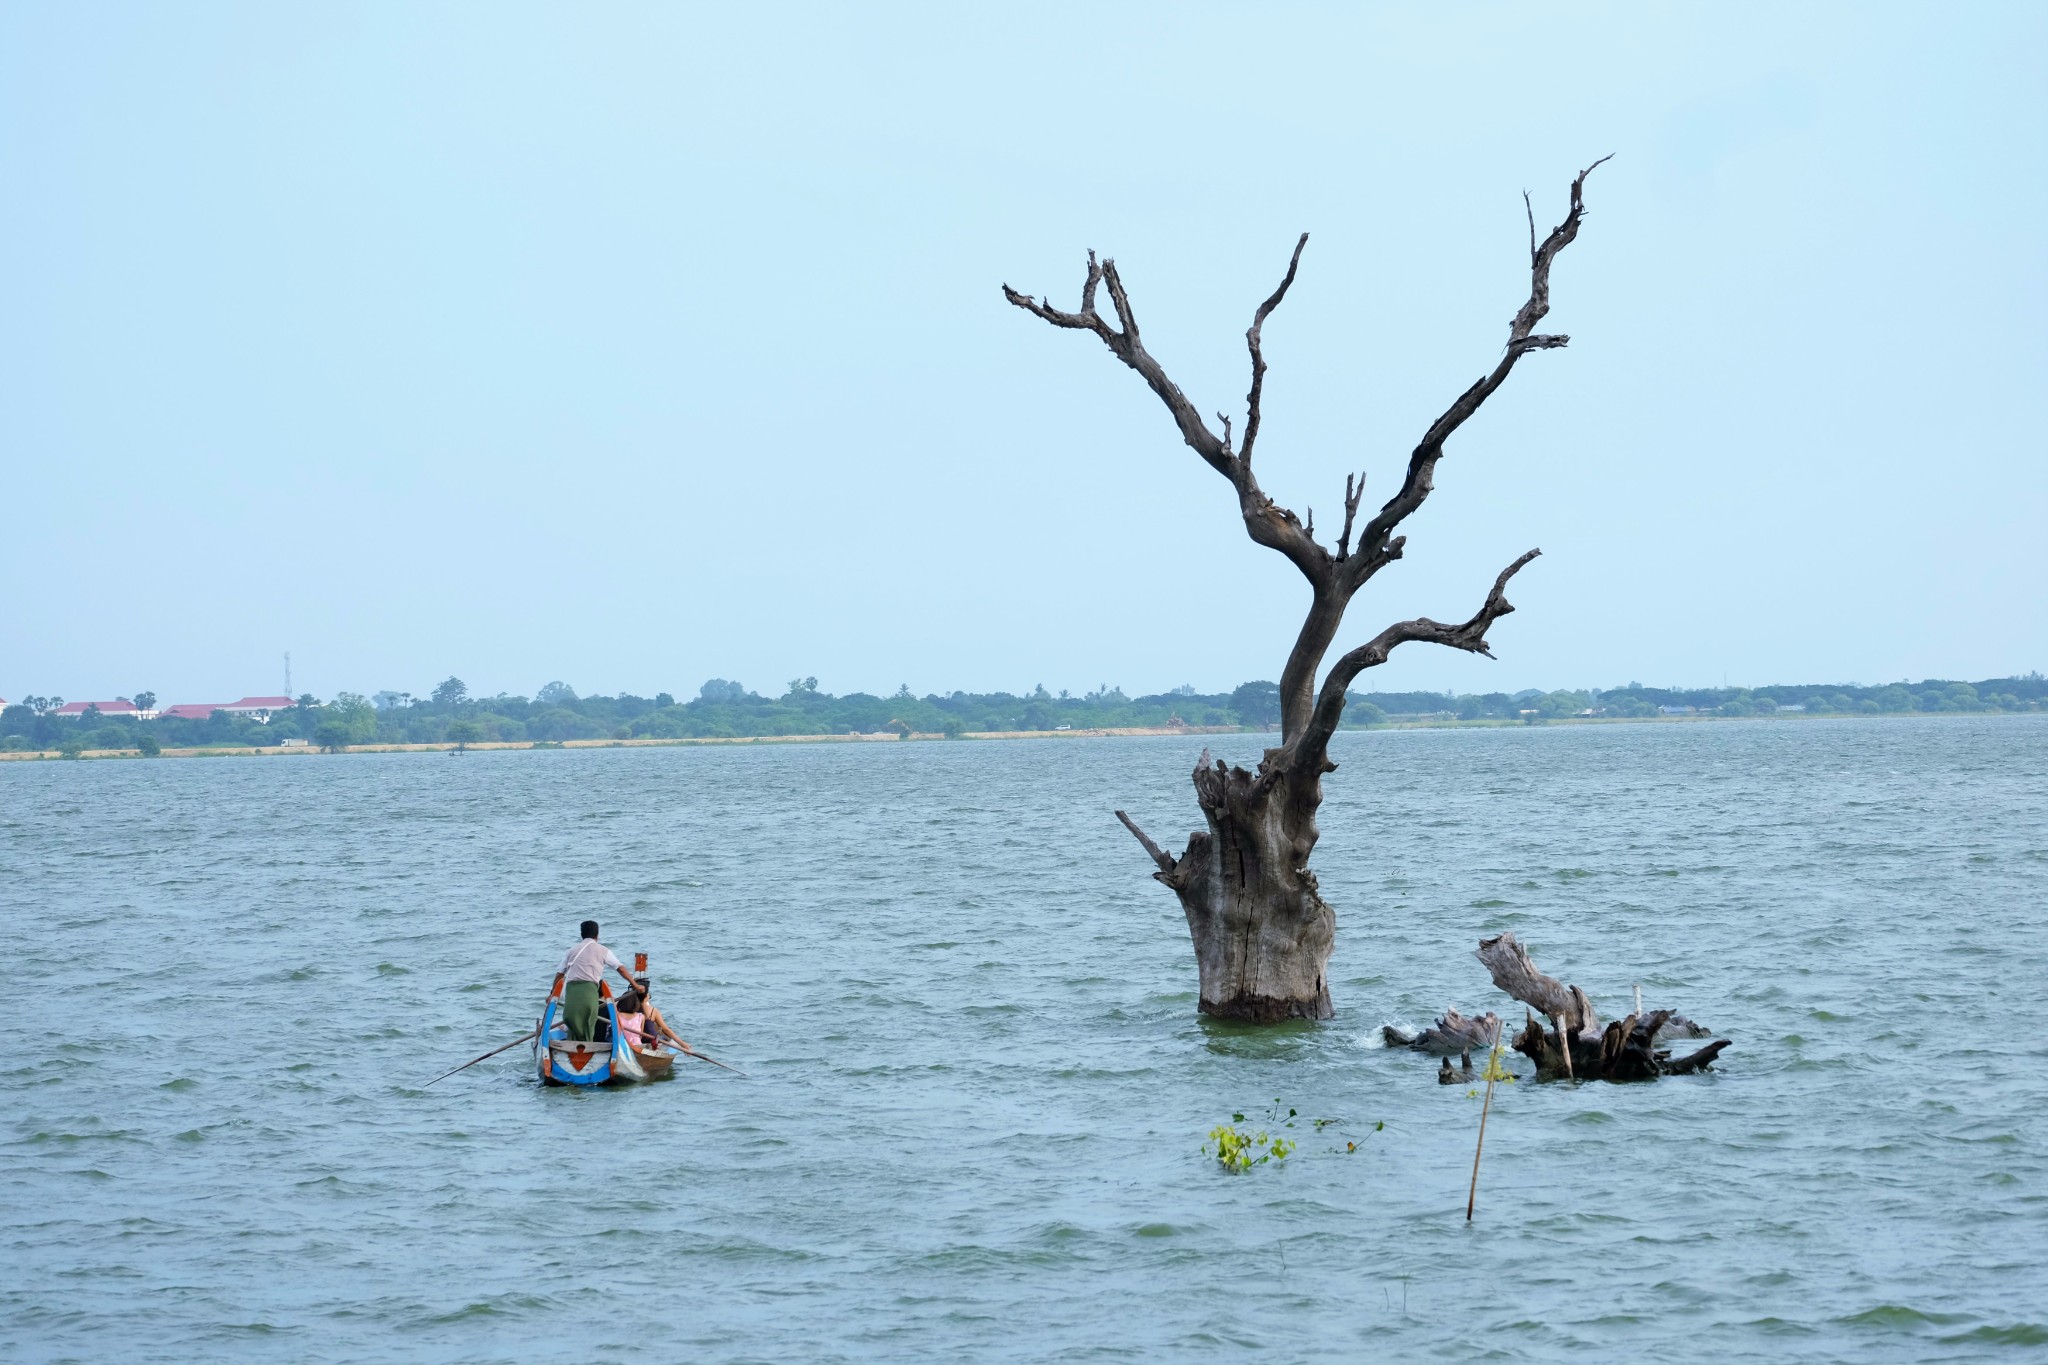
point(979, 1089)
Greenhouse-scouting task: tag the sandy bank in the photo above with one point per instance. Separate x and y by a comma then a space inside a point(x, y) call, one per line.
point(249, 752)
point(1488, 723)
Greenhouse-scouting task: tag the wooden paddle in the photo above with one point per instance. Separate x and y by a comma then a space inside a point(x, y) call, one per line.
point(686, 1048)
point(487, 1056)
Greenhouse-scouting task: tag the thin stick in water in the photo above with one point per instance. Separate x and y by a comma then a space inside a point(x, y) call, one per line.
point(1492, 1070)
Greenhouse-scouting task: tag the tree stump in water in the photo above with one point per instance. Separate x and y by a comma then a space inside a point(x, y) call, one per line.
point(1261, 930)
point(1576, 1046)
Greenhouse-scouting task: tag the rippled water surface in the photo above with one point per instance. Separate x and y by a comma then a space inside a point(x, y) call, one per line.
point(979, 1088)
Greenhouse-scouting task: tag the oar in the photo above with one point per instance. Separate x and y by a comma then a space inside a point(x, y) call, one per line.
point(487, 1056)
point(694, 1053)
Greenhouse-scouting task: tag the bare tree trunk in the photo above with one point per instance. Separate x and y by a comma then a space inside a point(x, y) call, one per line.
point(1261, 929)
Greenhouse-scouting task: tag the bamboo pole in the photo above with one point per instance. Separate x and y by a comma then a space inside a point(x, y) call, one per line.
point(1492, 1070)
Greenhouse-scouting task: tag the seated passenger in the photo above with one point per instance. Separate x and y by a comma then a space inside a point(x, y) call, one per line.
point(634, 1024)
point(656, 1026)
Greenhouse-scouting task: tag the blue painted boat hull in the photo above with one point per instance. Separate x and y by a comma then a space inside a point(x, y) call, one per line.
point(561, 1062)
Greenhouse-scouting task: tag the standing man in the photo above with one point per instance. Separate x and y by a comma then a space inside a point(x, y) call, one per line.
point(581, 970)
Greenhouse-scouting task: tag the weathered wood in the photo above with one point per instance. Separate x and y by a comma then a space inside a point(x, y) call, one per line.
point(1678, 1026)
point(1159, 855)
point(1451, 1033)
point(1577, 1047)
point(1507, 961)
point(1696, 1061)
point(1262, 932)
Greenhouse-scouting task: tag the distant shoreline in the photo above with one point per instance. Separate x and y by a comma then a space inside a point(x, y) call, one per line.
point(1157, 731)
point(251, 751)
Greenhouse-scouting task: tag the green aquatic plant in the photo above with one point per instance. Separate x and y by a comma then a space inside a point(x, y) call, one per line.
point(1238, 1150)
point(1494, 1072)
point(1351, 1144)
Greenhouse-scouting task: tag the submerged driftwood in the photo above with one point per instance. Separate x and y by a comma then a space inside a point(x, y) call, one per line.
point(1451, 1034)
point(1577, 1046)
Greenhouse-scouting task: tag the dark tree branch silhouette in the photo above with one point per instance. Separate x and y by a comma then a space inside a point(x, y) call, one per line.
point(1261, 930)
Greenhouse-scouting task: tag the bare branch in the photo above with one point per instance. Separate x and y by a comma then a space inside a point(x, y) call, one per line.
point(1351, 498)
point(1159, 855)
point(1420, 480)
point(1469, 636)
point(1539, 262)
point(1251, 341)
point(1125, 342)
point(1266, 522)
point(1087, 319)
point(1121, 301)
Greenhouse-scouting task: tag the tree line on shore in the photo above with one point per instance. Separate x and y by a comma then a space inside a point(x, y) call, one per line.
point(726, 710)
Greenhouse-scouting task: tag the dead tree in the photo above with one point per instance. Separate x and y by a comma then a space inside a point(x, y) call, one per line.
point(1578, 1046)
point(1262, 931)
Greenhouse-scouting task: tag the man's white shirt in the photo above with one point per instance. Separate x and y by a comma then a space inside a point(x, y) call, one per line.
point(587, 961)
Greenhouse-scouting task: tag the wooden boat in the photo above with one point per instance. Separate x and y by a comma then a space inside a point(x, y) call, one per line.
point(611, 1059)
point(561, 1061)
point(659, 1066)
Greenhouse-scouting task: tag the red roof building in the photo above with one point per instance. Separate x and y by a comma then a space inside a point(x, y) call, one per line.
point(106, 708)
point(265, 704)
point(263, 708)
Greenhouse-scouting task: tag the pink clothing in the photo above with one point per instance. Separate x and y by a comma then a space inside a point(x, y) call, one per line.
point(634, 1026)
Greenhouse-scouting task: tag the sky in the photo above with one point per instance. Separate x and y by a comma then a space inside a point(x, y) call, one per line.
point(641, 344)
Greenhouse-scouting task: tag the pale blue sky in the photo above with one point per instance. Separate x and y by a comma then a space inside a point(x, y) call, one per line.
point(638, 344)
